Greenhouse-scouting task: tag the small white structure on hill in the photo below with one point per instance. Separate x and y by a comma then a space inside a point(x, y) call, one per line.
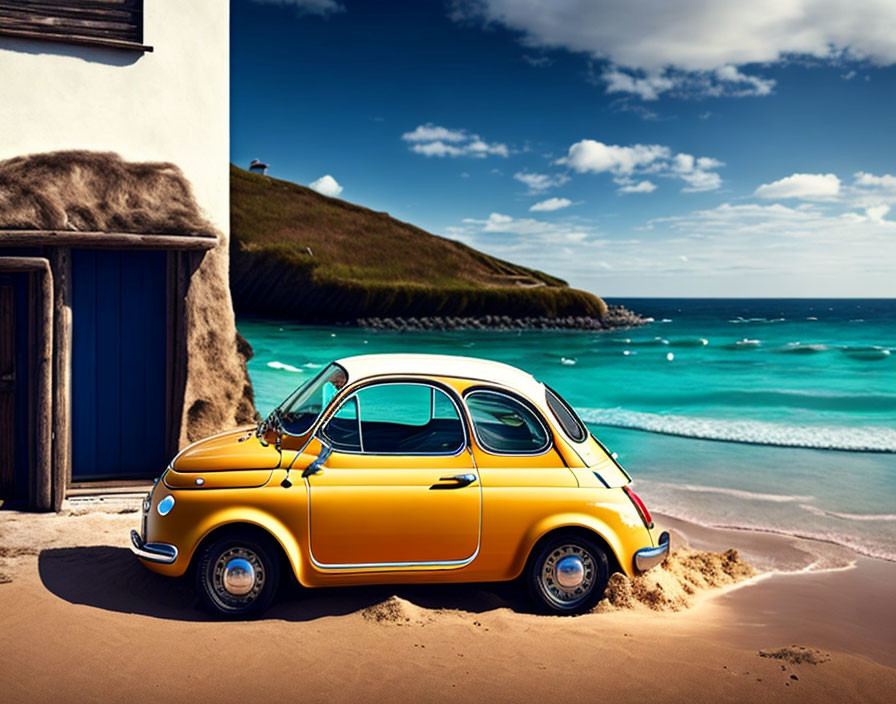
point(258, 167)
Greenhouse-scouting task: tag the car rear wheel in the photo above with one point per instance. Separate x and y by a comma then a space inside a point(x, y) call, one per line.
point(567, 574)
point(237, 576)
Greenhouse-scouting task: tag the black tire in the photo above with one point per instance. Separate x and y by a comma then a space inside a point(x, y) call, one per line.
point(586, 558)
point(263, 579)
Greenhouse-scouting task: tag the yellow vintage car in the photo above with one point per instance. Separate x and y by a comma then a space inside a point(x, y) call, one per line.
point(401, 468)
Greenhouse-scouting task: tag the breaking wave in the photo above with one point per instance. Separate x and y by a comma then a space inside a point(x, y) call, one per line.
point(855, 439)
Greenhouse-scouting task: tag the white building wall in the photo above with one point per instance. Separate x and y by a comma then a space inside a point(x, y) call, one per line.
point(171, 104)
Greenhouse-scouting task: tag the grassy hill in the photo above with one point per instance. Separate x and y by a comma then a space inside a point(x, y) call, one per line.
point(299, 254)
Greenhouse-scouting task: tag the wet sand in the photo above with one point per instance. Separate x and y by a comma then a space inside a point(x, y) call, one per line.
point(83, 621)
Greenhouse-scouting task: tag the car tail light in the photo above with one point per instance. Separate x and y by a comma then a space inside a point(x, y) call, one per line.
point(642, 509)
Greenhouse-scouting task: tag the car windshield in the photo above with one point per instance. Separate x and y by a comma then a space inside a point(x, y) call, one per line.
point(304, 406)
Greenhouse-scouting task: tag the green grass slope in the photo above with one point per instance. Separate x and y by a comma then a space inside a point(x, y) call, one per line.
point(298, 254)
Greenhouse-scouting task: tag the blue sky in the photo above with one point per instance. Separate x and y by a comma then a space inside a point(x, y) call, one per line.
point(660, 148)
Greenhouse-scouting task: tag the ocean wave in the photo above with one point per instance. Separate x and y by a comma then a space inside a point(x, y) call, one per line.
point(849, 516)
point(736, 493)
point(879, 402)
point(284, 367)
point(739, 320)
point(862, 439)
point(851, 542)
point(801, 348)
point(745, 344)
point(688, 342)
point(871, 353)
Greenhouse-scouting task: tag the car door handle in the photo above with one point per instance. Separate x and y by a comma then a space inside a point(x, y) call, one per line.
point(458, 481)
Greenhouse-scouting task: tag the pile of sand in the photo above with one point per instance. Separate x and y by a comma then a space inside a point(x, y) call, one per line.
point(396, 611)
point(676, 583)
point(797, 655)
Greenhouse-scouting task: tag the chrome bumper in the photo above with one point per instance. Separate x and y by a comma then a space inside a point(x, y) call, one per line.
point(154, 552)
point(645, 558)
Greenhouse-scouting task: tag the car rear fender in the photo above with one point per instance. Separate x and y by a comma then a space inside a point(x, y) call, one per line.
point(575, 521)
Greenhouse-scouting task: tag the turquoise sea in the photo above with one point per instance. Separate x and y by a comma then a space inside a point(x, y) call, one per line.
point(775, 415)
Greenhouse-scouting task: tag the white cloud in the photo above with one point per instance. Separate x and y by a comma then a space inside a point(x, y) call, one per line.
point(538, 183)
point(697, 46)
point(308, 7)
point(326, 185)
point(885, 183)
point(431, 133)
point(805, 186)
point(434, 140)
point(551, 204)
point(877, 212)
point(647, 87)
point(529, 227)
point(594, 156)
point(623, 162)
point(637, 187)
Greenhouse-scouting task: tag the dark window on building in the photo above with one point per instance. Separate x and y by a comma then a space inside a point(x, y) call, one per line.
point(506, 425)
point(397, 419)
point(109, 23)
point(567, 417)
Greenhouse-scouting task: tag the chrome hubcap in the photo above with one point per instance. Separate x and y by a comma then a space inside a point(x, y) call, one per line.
point(570, 572)
point(567, 575)
point(238, 576)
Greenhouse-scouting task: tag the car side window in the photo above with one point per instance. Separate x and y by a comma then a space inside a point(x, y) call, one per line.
point(505, 425)
point(569, 421)
point(397, 419)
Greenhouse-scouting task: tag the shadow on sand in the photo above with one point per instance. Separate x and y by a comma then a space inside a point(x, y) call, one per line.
point(110, 578)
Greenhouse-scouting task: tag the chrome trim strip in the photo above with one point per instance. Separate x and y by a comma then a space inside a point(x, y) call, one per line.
point(153, 552)
point(645, 558)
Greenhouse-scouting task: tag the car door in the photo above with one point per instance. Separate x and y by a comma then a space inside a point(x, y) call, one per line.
point(400, 488)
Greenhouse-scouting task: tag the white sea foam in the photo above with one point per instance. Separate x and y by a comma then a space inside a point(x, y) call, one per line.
point(566, 361)
point(856, 439)
point(284, 367)
point(312, 365)
point(849, 516)
point(821, 563)
point(736, 493)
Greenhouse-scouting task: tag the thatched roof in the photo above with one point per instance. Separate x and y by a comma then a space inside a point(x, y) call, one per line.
point(97, 192)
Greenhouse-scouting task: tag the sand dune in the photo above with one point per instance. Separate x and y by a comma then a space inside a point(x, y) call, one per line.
point(83, 621)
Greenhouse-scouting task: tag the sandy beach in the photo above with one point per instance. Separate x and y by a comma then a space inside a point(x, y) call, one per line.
point(83, 621)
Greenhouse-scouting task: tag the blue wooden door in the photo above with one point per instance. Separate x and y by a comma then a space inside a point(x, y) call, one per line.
point(119, 347)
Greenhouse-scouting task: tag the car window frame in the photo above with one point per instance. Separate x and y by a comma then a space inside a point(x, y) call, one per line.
point(352, 394)
point(548, 392)
point(531, 407)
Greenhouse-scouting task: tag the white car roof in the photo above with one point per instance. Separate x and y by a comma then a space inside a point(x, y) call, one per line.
point(364, 366)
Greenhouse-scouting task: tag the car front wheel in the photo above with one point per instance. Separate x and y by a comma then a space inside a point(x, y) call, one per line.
point(237, 576)
point(567, 574)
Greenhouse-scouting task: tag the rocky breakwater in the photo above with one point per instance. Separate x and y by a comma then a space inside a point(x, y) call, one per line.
point(616, 318)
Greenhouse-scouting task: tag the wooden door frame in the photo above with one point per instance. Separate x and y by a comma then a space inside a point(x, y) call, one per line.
point(40, 311)
point(50, 311)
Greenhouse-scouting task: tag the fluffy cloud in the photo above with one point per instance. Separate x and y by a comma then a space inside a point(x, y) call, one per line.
point(529, 227)
point(434, 140)
point(326, 185)
point(696, 46)
point(551, 204)
point(805, 186)
point(590, 156)
point(308, 7)
point(539, 183)
point(644, 186)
